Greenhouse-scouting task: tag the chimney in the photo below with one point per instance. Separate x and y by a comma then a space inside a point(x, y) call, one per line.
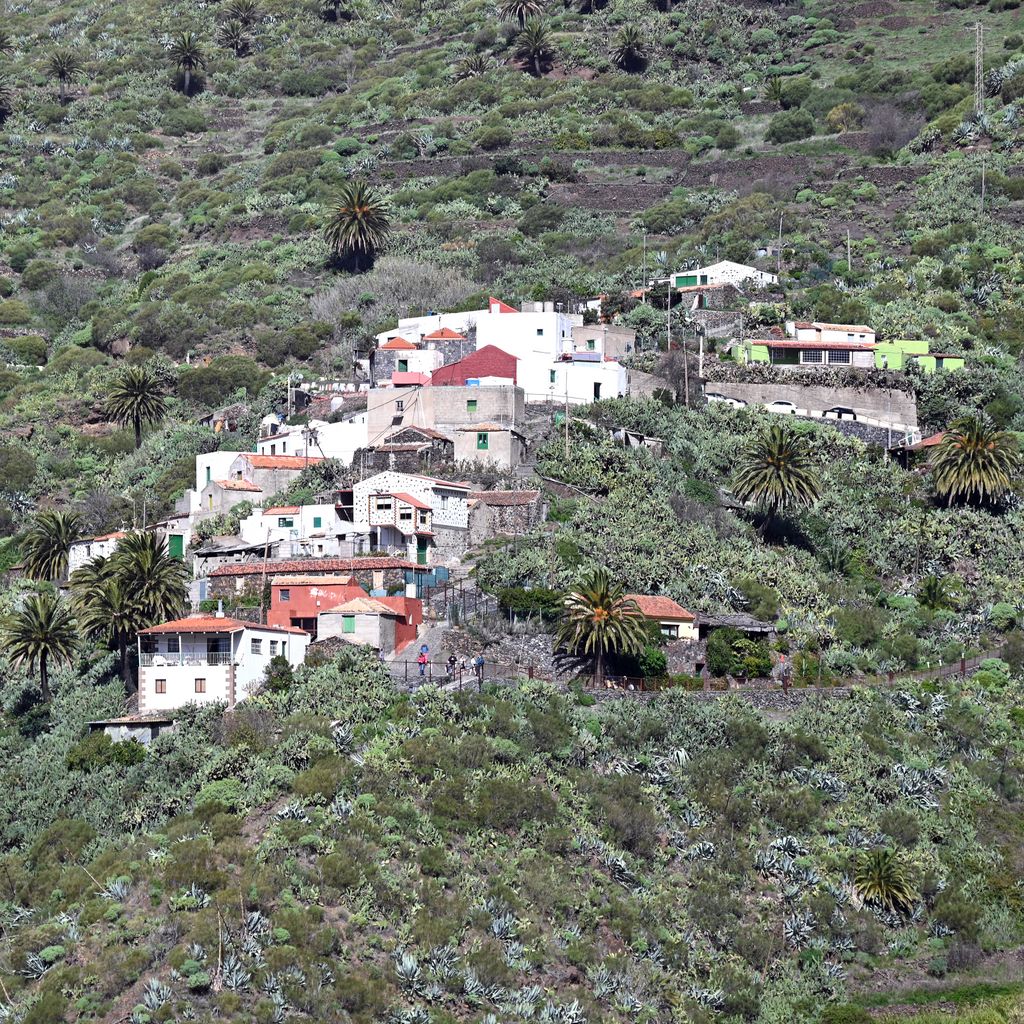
point(220, 609)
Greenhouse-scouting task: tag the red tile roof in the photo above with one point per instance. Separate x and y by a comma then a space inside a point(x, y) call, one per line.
point(445, 334)
point(314, 565)
point(410, 500)
point(489, 361)
point(497, 306)
point(238, 485)
point(501, 499)
point(281, 510)
point(279, 461)
point(425, 431)
point(400, 344)
point(928, 442)
point(213, 624)
point(116, 535)
point(656, 606)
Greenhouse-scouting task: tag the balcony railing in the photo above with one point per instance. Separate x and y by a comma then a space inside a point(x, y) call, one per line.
point(171, 660)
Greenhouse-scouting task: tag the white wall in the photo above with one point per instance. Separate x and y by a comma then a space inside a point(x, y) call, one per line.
point(182, 670)
point(339, 440)
point(578, 376)
point(332, 538)
point(86, 550)
point(218, 464)
point(450, 506)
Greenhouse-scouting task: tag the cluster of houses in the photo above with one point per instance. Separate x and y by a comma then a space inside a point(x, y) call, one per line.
point(355, 564)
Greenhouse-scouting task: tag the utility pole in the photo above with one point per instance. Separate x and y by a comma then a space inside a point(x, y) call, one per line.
point(778, 251)
point(979, 68)
point(849, 257)
point(700, 354)
point(686, 374)
point(668, 312)
point(567, 417)
point(982, 182)
point(643, 283)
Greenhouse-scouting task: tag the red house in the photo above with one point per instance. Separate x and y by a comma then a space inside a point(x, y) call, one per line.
point(298, 600)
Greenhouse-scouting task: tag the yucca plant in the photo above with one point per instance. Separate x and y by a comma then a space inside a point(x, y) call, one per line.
point(232, 35)
point(473, 66)
point(245, 12)
point(975, 463)
point(881, 879)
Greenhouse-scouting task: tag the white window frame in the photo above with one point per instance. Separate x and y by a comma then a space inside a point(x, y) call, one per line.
point(812, 357)
point(840, 357)
point(256, 646)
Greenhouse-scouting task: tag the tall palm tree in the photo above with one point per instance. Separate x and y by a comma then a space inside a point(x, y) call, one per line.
point(333, 10)
point(881, 878)
point(41, 632)
point(975, 462)
point(65, 66)
point(137, 397)
point(109, 610)
point(186, 53)
point(936, 593)
point(534, 47)
point(46, 542)
point(775, 472)
point(520, 11)
point(358, 224)
point(630, 51)
point(143, 566)
point(599, 620)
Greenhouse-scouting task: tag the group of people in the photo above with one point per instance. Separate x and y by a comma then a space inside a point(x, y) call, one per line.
point(452, 664)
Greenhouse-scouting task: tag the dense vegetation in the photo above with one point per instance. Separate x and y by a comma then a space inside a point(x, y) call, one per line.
point(197, 200)
point(332, 852)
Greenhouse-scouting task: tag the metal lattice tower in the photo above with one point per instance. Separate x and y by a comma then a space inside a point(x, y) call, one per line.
point(979, 68)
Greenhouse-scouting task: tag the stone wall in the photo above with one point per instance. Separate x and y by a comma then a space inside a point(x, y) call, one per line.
point(450, 543)
point(884, 406)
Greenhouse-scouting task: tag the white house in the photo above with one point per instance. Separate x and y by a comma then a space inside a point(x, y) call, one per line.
point(208, 658)
point(825, 334)
point(723, 272)
point(83, 551)
point(582, 376)
point(304, 531)
point(413, 515)
point(318, 438)
point(209, 467)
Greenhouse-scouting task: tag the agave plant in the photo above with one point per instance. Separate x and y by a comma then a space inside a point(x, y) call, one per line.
point(475, 65)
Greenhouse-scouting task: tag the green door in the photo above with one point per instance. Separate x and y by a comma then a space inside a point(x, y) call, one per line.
point(176, 545)
point(421, 550)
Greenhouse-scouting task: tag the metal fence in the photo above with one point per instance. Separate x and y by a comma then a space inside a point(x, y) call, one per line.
point(463, 676)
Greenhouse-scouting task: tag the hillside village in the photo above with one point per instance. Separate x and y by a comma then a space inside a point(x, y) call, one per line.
point(384, 555)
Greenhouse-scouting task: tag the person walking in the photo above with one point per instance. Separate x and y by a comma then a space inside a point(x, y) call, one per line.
point(422, 662)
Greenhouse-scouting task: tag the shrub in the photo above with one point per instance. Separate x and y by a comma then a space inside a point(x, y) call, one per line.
point(14, 311)
point(97, 750)
point(727, 138)
point(28, 349)
point(789, 126)
point(38, 274)
point(184, 121)
point(494, 137)
point(507, 803)
point(227, 792)
point(721, 651)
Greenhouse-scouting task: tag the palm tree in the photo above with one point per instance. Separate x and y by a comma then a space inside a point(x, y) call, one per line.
point(774, 91)
point(6, 99)
point(245, 12)
point(333, 10)
point(473, 66)
point(936, 593)
point(358, 224)
point(520, 11)
point(41, 632)
point(108, 610)
point(881, 878)
point(775, 472)
point(65, 66)
point(137, 397)
point(232, 36)
point(975, 462)
point(187, 55)
point(534, 47)
point(599, 620)
point(46, 542)
point(630, 51)
point(143, 567)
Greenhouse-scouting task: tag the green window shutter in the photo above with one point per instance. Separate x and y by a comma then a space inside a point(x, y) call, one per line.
point(590, 345)
point(703, 278)
point(482, 439)
point(317, 522)
point(470, 405)
point(348, 623)
point(551, 375)
point(286, 521)
point(403, 365)
point(208, 474)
